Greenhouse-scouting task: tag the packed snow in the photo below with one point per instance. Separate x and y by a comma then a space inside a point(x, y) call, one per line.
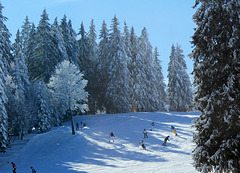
point(89, 150)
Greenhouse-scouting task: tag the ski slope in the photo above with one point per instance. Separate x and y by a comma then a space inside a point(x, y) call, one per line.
point(89, 151)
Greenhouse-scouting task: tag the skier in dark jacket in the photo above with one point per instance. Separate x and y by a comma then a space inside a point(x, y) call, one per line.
point(143, 146)
point(14, 167)
point(33, 170)
point(145, 134)
point(77, 126)
point(111, 135)
point(165, 140)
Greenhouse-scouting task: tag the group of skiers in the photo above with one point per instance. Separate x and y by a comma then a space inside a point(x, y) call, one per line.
point(15, 168)
point(145, 135)
point(81, 125)
point(165, 140)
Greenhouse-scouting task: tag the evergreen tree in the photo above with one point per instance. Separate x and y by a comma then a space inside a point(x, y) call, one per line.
point(4, 140)
point(30, 46)
point(137, 75)
point(160, 95)
point(5, 57)
point(84, 63)
point(216, 76)
point(25, 33)
point(101, 72)
point(148, 88)
point(5, 43)
point(126, 39)
point(43, 57)
point(18, 91)
point(70, 41)
point(59, 47)
point(117, 94)
point(91, 71)
point(179, 86)
point(44, 118)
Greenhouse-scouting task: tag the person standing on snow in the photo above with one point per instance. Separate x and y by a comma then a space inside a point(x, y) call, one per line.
point(14, 167)
point(174, 130)
point(111, 135)
point(77, 126)
point(33, 170)
point(145, 134)
point(165, 140)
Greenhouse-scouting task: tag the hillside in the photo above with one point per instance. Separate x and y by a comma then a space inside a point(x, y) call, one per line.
point(89, 151)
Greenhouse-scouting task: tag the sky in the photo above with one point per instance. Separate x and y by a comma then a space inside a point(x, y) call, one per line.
point(167, 21)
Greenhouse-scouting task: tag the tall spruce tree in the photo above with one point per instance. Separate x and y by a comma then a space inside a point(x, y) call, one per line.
point(84, 63)
point(117, 94)
point(19, 117)
point(31, 43)
point(70, 41)
point(179, 86)
point(216, 56)
point(161, 96)
point(101, 72)
point(25, 33)
point(148, 88)
point(137, 75)
point(58, 41)
point(91, 71)
point(43, 57)
point(5, 57)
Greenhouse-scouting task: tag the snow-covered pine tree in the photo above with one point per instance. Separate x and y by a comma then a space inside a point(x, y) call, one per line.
point(43, 59)
point(216, 56)
point(25, 33)
point(19, 117)
point(137, 75)
point(83, 51)
point(70, 41)
point(30, 46)
point(5, 43)
point(68, 88)
point(148, 87)
point(161, 86)
point(5, 57)
point(44, 107)
point(91, 71)
point(59, 46)
point(179, 86)
point(4, 140)
point(117, 94)
point(101, 72)
point(126, 39)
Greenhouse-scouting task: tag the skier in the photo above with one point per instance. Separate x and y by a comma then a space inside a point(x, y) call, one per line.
point(142, 145)
point(174, 130)
point(152, 126)
point(145, 134)
point(165, 141)
point(111, 135)
point(14, 167)
point(81, 125)
point(33, 170)
point(77, 126)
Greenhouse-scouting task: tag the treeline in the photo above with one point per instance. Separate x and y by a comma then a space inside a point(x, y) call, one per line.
point(121, 70)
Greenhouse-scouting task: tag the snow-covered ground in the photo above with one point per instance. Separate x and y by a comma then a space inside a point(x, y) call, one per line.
point(89, 151)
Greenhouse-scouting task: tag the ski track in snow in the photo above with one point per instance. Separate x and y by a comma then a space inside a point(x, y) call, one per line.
point(89, 151)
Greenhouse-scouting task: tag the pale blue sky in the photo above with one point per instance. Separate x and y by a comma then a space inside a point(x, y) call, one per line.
point(167, 21)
